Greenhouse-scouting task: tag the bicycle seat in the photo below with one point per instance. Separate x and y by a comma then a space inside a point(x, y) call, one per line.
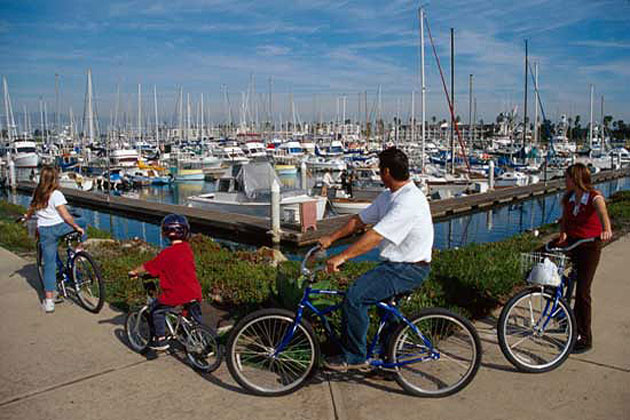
point(397, 297)
point(71, 236)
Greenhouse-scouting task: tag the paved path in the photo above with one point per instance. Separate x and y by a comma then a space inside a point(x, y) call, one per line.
point(75, 365)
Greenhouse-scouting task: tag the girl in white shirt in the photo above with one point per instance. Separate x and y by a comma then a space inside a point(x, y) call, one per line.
point(53, 222)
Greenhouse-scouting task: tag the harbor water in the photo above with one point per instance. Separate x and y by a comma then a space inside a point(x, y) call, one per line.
point(484, 226)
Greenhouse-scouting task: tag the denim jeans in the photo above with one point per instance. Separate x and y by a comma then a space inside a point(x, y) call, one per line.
point(158, 316)
point(49, 239)
point(384, 281)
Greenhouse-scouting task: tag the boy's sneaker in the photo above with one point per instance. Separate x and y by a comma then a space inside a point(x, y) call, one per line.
point(159, 344)
point(49, 306)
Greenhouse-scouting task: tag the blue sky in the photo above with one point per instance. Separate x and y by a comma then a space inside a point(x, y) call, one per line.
point(316, 47)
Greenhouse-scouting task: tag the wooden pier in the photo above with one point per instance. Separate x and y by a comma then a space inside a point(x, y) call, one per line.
point(255, 230)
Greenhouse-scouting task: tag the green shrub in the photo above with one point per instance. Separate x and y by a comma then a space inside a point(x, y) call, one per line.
point(96, 233)
point(14, 237)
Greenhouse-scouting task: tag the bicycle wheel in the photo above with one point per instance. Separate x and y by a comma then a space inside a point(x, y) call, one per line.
point(138, 330)
point(90, 288)
point(40, 266)
point(251, 349)
point(440, 362)
point(202, 348)
point(531, 336)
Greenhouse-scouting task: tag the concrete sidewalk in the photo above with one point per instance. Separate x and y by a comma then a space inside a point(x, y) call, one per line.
point(75, 365)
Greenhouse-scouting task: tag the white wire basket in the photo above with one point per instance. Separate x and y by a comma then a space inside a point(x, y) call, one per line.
point(529, 259)
point(532, 265)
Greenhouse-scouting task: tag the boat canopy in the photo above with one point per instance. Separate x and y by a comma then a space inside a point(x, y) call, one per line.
point(256, 178)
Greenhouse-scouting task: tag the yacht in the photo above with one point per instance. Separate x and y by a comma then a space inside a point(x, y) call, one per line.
point(232, 155)
point(319, 163)
point(125, 158)
point(249, 193)
point(254, 150)
point(288, 153)
point(24, 154)
point(512, 179)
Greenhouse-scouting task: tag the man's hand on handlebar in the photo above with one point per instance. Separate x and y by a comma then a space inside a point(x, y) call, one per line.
point(332, 265)
point(325, 241)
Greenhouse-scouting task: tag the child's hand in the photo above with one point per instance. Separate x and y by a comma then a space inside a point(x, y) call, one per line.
point(132, 274)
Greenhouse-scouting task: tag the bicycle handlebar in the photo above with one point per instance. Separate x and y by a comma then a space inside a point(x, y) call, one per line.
point(305, 271)
point(568, 248)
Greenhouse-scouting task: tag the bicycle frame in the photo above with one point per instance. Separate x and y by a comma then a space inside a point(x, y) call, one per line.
point(565, 282)
point(388, 312)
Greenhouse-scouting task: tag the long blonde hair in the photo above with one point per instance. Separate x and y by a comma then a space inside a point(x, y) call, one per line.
point(581, 177)
point(48, 182)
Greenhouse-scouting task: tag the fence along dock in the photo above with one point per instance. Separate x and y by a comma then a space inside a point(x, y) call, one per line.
point(256, 230)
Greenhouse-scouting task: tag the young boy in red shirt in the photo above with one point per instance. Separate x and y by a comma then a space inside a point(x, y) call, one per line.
point(175, 267)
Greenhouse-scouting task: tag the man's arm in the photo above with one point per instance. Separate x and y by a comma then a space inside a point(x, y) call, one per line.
point(369, 240)
point(355, 223)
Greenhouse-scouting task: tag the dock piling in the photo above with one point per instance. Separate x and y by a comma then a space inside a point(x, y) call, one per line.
point(491, 175)
point(275, 212)
point(303, 183)
point(12, 176)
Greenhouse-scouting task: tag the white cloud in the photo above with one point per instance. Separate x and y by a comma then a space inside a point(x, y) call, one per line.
point(272, 50)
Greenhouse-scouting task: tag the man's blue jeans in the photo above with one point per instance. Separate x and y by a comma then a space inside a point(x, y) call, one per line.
point(49, 239)
point(384, 281)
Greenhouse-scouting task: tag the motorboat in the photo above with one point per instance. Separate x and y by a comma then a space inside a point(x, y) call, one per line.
point(319, 163)
point(249, 192)
point(125, 158)
point(232, 155)
point(24, 154)
point(254, 150)
point(75, 181)
point(512, 179)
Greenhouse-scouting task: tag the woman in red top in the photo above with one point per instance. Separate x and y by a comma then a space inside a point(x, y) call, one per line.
point(584, 216)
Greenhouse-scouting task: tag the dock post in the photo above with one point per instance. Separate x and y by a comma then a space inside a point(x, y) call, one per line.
point(275, 212)
point(12, 176)
point(303, 175)
point(491, 175)
point(619, 160)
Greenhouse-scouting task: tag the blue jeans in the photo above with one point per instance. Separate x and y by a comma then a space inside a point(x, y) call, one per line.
point(49, 239)
point(384, 281)
point(158, 313)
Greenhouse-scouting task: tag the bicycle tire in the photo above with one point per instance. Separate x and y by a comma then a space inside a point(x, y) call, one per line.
point(138, 336)
point(456, 341)
point(245, 360)
point(208, 348)
point(95, 283)
point(564, 325)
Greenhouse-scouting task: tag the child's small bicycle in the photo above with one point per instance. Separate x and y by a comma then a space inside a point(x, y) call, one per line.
point(537, 328)
point(273, 352)
point(199, 341)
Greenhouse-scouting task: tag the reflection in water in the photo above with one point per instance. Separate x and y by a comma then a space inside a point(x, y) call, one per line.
point(489, 226)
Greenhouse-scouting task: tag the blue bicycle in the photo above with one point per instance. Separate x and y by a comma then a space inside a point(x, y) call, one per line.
point(273, 352)
point(537, 328)
point(77, 273)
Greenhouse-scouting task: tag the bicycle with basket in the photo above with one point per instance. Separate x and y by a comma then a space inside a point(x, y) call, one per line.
point(537, 327)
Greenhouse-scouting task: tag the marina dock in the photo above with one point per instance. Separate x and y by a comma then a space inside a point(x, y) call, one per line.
point(256, 230)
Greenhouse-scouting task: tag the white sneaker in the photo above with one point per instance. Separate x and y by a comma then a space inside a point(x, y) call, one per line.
point(49, 305)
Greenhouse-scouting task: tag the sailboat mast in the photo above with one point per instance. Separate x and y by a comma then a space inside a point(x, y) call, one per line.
point(139, 112)
point(525, 105)
point(157, 123)
point(7, 109)
point(453, 101)
point(423, 87)
point(590, 128)
point(536, 103)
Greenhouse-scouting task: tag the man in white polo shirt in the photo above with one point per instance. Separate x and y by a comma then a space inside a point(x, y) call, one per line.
point(403, 230)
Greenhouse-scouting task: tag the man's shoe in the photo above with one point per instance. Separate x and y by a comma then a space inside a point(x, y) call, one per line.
point(159, 344)
point(339, 364)
point(49, 306)
point(581, 347)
